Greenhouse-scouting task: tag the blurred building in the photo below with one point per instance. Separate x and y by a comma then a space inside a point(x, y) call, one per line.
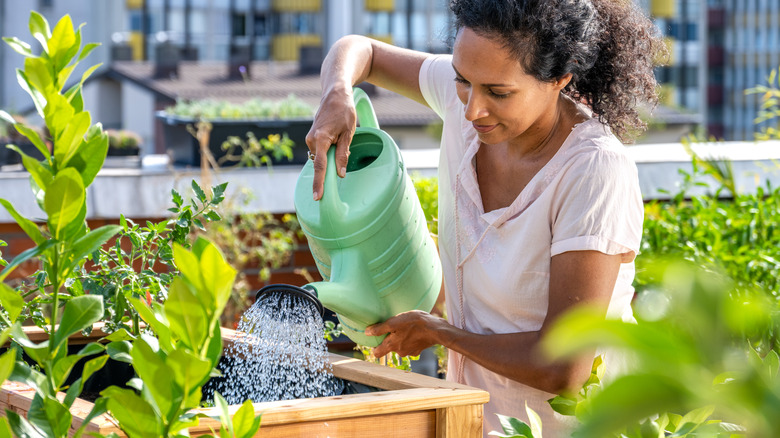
point(718, 49)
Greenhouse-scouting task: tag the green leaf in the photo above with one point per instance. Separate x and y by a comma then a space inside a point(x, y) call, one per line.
point(19, 46)
point(90, 154)
point(66, 146)
point(26, 255)
point(39, 170)
point(49, 415)
point(158, 378)
point(39, 29)
point(187, 318)
point(38, 98)
point(190, 373)
point(62, 368)
point(88, 48)
point(12, 302)
point(80, 313)
point(29, 227)
point(120, 335)
point(563, 405)
point(63, 38)
point(90, 242)
point(63, 200)
point(512, 428)
point(534, 421)
point(199, 193)
point(120, 351)
point(57, 115)
point(22, 427)
point(5, 428)
point(34, 137)
point(245, 423)
point(156, 321)
point(7, 364)
point(39, 75)
point(136, 417)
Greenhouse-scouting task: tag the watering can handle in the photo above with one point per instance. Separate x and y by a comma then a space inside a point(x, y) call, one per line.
point(365, 112)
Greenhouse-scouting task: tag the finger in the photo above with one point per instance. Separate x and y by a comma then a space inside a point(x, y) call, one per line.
point(342, 153)
point(377, 329)
point(320, 165)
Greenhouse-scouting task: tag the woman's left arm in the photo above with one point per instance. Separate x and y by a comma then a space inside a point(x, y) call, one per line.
point(576, 277)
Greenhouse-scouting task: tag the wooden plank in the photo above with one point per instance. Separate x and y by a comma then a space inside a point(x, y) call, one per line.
point(460, 421)
point(405, 425)
point(358, 405)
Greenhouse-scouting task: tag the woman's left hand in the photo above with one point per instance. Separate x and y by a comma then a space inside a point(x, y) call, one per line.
point(408, 333)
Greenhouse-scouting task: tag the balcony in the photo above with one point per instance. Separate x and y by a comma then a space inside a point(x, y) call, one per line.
point(379, 5)
point(663, 8)
point(296, 5)
point(287, 47)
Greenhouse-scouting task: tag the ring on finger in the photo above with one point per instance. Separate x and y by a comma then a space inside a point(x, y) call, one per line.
point(311, 155)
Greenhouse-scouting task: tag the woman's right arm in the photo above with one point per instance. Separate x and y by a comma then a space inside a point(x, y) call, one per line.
point(352, 60)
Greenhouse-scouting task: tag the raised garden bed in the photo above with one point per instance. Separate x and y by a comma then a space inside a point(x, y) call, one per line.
point(408, 405)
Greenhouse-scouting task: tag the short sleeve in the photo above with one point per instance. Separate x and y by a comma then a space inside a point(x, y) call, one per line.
point(436, 78)
point(598, 205)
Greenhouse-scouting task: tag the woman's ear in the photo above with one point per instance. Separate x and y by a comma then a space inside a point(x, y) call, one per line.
point(562, 81)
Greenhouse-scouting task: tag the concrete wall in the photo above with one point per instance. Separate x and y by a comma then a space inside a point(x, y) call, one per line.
point(137, 114)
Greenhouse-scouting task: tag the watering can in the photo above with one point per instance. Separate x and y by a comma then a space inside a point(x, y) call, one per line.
point(367, 233)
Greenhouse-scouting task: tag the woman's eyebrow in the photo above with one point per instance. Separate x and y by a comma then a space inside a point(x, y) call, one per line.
point(484, 85)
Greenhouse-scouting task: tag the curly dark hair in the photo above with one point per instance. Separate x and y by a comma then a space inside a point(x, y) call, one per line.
point(609, 46)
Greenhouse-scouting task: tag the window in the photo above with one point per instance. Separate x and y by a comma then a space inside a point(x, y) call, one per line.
point(238, 24)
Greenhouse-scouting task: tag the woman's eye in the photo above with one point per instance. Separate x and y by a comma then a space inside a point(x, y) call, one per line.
point(498, 95)
point(461, 80)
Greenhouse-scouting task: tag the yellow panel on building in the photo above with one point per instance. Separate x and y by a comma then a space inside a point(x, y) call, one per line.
point(380, 5)
point(136, 41)
point(134, 4)
point(663, 8)
point(384, 38)
point(296, 5)
point(287, 47)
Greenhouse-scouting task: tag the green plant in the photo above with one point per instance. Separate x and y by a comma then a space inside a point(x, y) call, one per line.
point(173, 365)
point(59, 184)
point(254, 152)
point(209, 109)
point(770, 106)
point(123, 139)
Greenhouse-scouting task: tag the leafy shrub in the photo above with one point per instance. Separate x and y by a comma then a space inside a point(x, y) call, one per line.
point(210, 109)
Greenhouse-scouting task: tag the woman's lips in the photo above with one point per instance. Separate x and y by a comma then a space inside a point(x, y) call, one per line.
point(483, 129)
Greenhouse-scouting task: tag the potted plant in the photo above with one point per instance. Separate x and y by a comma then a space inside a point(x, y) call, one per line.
point(258, 118)
point(122, 143)
point(10, 136)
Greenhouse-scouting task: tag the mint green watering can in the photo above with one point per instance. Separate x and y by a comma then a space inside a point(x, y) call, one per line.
point(368, 234)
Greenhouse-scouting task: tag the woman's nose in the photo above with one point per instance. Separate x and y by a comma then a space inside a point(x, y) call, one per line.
point(475, 108)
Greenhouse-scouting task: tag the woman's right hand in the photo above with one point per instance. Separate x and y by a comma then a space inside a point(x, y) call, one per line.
point(334, 124)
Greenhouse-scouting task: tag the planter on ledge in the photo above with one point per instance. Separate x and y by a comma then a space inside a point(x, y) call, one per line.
point(184, 149)
point(408, 404)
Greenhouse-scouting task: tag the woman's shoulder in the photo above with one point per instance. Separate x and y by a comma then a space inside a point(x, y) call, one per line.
point(593, 145)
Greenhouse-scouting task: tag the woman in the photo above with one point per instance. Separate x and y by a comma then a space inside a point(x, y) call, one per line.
point(539, 207)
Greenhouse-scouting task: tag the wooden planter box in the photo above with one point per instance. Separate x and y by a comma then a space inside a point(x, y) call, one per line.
point(184, 149)
point(411, 405)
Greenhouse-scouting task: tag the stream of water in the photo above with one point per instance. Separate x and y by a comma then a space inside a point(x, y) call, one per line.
point(280, 354)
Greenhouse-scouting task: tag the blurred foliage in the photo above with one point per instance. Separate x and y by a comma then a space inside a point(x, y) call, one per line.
point(209, 109)
point(254, 152)
point(770, 106)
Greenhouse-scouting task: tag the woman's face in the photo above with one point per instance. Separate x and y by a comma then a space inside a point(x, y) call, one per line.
point(503, 102)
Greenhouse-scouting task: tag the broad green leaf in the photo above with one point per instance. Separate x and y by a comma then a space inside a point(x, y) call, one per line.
point(187, 318)
point(136, 417)
point(214, 348)
point(40, 172)
point(156, 320)
point(38, 98)
point(534, 421)
point(512, 427)
point(188, 265)
point(22, 373)
point(698, 416)
point(199, 193)
point(63, 38)
point(49, 415)
point(11, 301)
point(563, 405)
point(19, 46)
point(29, 227)
point(72, 137)
point(63, 200)
point(21, 427)
point(34, 137)
point(39, 29)
point(5, 428)
point(88, 48)
point(62, 369)
point(245, 423)
point(7, 364)
point(93, 240)
point(76, 229)
point(90, 155)
point(218, 277)
point(39, 75)
point(190, 373)
point(120, 335)
point(158, 378)
point(90, 368)
point(26, 255)
point(4, 116)
point(80, 312)
point(57, 115)
point(120, 351)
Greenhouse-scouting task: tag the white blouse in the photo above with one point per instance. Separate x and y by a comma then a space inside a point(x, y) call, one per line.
point(497, 264)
